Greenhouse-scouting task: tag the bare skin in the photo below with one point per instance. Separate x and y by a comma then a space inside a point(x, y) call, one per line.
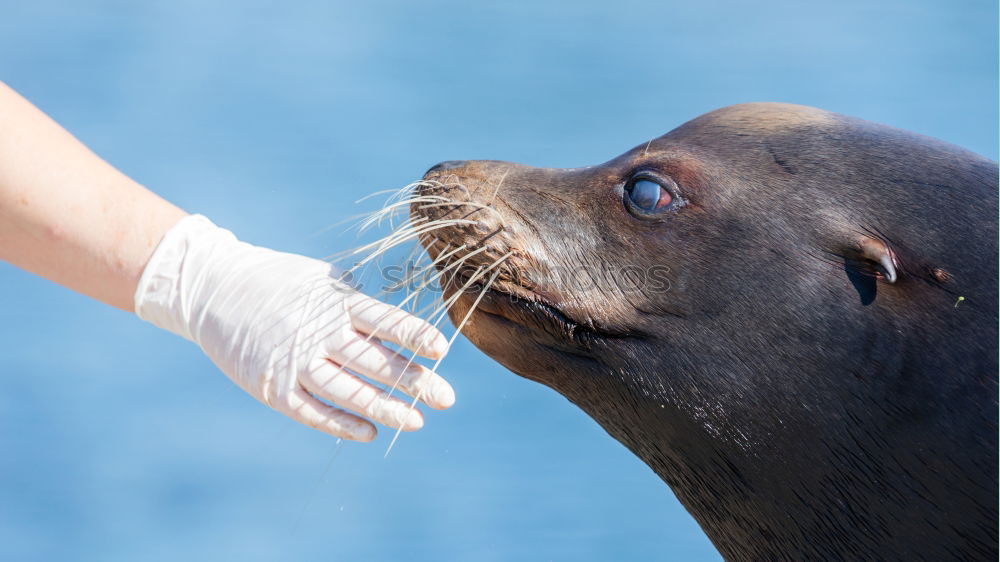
point(69, 216)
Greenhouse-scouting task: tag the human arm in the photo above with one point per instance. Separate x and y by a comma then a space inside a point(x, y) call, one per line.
point(279, 325)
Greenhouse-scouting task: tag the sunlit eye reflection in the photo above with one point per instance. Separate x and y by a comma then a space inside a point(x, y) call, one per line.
point(648, 195)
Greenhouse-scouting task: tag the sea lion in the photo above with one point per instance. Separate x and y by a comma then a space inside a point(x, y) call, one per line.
point(790, 315)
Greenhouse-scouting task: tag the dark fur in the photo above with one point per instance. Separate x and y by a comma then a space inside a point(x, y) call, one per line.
point(799, 405)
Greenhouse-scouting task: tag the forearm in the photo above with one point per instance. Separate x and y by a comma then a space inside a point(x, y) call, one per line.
point(68, 215)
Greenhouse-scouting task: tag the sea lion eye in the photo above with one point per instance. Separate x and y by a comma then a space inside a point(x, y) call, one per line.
point(647, 196)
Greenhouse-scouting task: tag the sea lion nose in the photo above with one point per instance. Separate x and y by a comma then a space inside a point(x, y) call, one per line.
point(446, 165)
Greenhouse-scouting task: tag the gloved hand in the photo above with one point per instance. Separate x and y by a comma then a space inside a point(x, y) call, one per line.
point(284, 329)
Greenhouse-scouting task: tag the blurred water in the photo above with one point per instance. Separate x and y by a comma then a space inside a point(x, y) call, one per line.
point(120, 442)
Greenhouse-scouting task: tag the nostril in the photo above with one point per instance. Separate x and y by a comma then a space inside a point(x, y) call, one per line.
point(446, 165)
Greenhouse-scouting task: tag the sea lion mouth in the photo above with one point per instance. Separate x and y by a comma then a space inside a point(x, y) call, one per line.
point(517, 304)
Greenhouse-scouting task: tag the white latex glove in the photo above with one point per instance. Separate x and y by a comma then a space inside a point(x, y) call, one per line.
point(283, 329)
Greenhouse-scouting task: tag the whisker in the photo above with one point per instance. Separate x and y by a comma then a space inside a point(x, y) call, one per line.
point(450, 267)
point(398, 352)
point(391, 235)
point(435, 225)
point(337, 448)
point(434, 322)
point(416, 272)
point(377, 217)
point(461, 325)
point(499, 183)
point(395, 192)
point(455, 203)
point(421, 271)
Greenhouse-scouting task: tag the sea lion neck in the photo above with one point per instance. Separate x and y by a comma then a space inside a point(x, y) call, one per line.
point(795, 484)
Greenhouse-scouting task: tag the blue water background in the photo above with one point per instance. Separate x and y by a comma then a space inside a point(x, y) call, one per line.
point(122, 442)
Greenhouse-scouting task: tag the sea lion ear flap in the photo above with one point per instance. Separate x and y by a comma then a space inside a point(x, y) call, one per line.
point(877, 251)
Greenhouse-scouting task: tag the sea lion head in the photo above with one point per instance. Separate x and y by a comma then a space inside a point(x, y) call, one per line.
point(722, 298)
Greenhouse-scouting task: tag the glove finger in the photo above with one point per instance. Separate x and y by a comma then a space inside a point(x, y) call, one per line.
point(381, 364)
point(387, 322)
point(333, 383)
point(306, 409)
